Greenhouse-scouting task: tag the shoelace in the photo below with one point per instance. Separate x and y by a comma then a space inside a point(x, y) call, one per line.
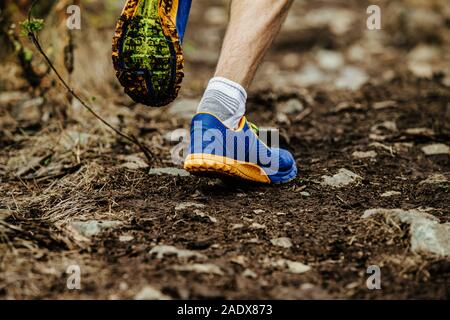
point(254, 127)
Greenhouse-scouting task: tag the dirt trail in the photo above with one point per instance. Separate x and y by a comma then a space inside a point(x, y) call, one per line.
point(188, 237)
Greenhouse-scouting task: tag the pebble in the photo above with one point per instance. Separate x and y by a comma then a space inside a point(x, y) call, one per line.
point(93, 227)
point(163, 250)
point(364, 154)
point(342, 178)
point(176, 172)
point(282, 242)
point(291, 106)
point(436, 149)
point(207, 268)
point(390, 194)
point(427, 235)
point(150, 293)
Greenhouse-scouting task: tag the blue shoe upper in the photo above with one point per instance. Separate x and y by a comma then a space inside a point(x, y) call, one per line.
point(184, 7)
point(210, 136)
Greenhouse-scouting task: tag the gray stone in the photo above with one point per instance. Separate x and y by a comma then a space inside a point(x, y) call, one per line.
point(257, 226)
point(93, 227)
point(201, 214)
point(291, 106)
point(162, 250)
point(207, 268)
point(310, 75)
point(434, 179)
point(384, 104)
point(427, 235)
point(390, 194)
point(126, 238)
point(282, 242)
point(351, 78)
point(133, 162)
point(293, 266)
point(342, 178)
point(176, 172)
point(249, 274)
point(330, 60)
point(364, 154)
point(186, 205)
point(436, 149)
point(150, 293)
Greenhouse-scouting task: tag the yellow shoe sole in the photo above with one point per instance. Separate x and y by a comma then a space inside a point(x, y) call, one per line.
point(208, 164)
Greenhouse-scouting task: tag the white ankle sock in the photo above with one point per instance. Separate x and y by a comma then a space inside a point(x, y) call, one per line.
point(226, 100)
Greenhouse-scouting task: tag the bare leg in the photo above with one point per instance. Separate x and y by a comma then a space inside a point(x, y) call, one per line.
point(252, 28)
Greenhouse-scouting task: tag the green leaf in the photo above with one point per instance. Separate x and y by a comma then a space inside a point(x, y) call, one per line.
point(35, 25)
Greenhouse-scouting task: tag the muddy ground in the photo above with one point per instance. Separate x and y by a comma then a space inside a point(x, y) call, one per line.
point(342, 97)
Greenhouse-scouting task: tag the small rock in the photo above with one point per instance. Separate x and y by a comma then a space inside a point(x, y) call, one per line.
point(204, 215)
point(162, 250)
point(381, 146)
point(282, 118)
point(305, 194)
point(186, 205)
point(249, 274)
point(133, 162)
point(384, 104)
point(169, 171)
point(184, 108)
point(297, 267)
point(150, 293)
point(310, 75)
point(431, 237)
point(390, 194)
point(293, 266)
point(240, 260)
point(258, 211)
point(126, 238)
point(342, 178)
point(330, 60)
point(257, 226)
point(237, 226)
point(427, 235)
point(385, 125)
point(13, 97)
point(201, 268)
point(93, 227)
point(420, 132)
point(291, 106)
point(436, 149)
point(351, 78)
point(404, 216)
point(434, 179)
point(347, 106)
point(364, 154)
point(282, 242)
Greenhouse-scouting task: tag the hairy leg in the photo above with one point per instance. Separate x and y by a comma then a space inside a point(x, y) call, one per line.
point(251, 30)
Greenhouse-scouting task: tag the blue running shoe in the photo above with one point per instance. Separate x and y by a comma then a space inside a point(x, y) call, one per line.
point(217, 150)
